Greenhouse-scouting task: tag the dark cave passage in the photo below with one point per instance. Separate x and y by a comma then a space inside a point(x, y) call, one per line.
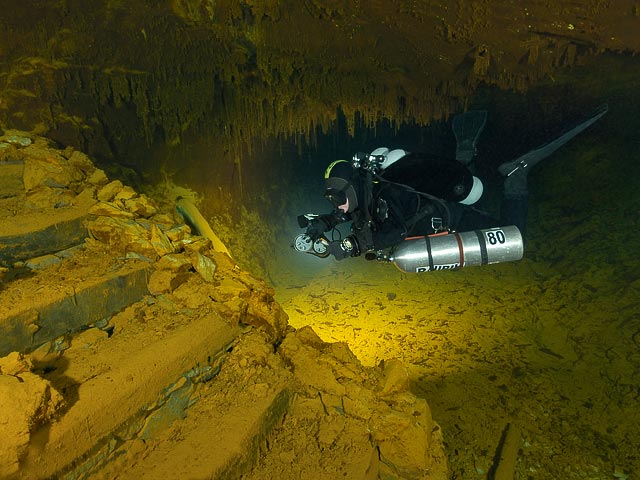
point(254, 196)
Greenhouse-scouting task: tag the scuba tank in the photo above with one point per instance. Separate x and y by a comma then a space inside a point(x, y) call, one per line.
point(448, 251)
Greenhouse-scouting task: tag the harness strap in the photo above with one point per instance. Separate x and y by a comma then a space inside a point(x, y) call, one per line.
point(422, 213)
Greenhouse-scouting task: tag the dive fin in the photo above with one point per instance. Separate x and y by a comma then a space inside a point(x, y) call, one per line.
point(467, 128)
point(532, 158)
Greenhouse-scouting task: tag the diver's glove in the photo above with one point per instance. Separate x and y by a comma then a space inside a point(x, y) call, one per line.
point(347, 247)
point(316, 227)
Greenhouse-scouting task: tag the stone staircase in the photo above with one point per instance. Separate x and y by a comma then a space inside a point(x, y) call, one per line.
point(131, 347)
point(88, 331)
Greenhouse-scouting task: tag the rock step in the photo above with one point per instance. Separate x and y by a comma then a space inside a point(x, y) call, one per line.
point(119, 381)
point(27, 230)
point(44, 305)
point(237, 435)
point(41, 234)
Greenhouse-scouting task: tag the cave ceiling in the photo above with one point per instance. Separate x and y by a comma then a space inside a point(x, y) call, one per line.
point(102, 74)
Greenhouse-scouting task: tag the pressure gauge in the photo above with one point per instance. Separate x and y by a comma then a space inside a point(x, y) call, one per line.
point(320, 247)
point(302, 243)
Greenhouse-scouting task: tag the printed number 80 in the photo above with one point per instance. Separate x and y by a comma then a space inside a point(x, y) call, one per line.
point(496, 236)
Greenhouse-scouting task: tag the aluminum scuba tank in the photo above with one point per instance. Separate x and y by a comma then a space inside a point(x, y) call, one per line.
point(448, 251)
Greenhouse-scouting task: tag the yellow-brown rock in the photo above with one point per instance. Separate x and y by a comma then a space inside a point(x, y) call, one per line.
point(26, 402)
point(165, 281)
point(109, 191)
point(109, 210)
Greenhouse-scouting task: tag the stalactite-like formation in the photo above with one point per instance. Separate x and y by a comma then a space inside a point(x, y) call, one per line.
point(149, 72)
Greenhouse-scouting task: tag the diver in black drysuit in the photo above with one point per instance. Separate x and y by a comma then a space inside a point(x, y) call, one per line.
point(393, 195)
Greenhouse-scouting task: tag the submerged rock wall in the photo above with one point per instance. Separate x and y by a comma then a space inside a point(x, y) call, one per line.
point(112, 78)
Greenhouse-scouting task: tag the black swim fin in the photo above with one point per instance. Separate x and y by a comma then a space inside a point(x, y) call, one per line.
point(524, 163)
point(467, 128)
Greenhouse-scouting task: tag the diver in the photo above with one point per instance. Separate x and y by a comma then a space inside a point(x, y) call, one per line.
point(393, 195)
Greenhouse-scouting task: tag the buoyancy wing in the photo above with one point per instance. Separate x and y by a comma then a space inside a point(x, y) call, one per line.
point(441, 177)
